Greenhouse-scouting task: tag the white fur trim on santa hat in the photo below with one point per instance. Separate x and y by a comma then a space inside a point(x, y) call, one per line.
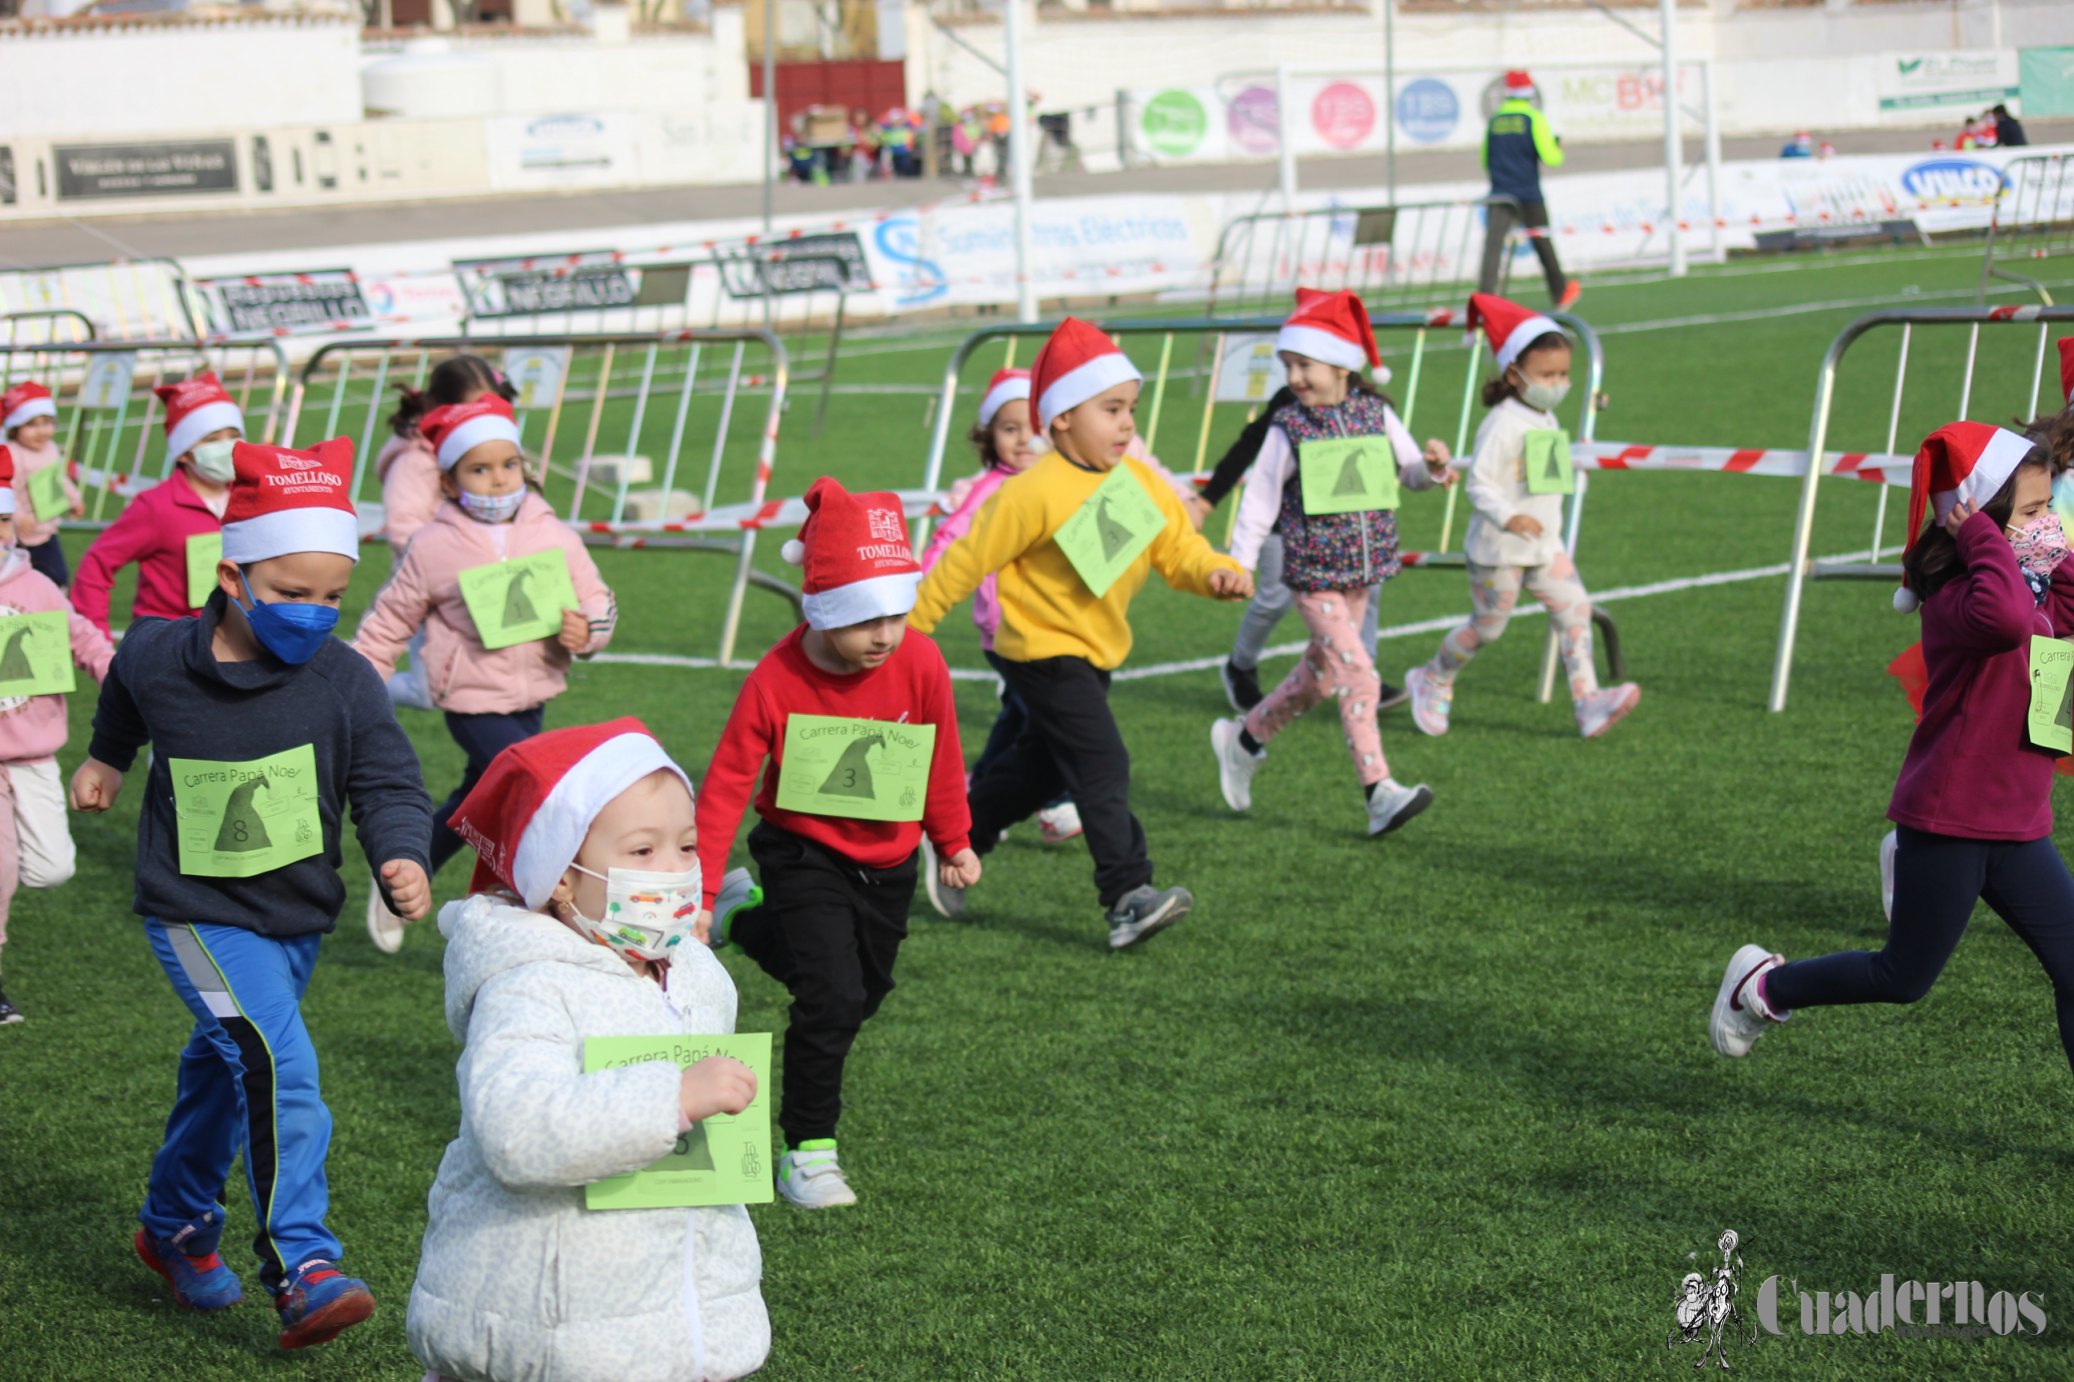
point(1089, 380)
point(6, 501)
point(34, 408)
point(1315, 344)
point(473, 433)
point(1003, 393)
point(875, 597)
point(210, 417)
point(311, 529)
point(1530, 330)
point(556, 832)
point(1998, 461)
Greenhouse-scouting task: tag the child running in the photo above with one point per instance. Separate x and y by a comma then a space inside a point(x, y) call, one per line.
point(1333, 507)
point(29, 418)
point(585, 896)
point(265, 729)
point(493, 670)
point(854, 716)
point(1073, 538)
point(1002, 437)
point(1974, 798)
point(1515, 529)
point(35, 843)
point(173, 530)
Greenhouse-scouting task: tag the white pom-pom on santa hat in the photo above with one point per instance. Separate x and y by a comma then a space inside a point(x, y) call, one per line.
point(1905, 601)
point(794, 552)
point(1382, 375)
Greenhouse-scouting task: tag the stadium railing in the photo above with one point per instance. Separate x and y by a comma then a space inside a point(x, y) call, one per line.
point(1892, 468)
point(47, 326)
point(1393, 255)
point(126, 299)
point(2032, 221)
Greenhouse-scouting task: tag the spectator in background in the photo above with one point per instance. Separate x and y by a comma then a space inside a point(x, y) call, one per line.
point(1801, 145)
point(1515, 145)
point(2009, 131)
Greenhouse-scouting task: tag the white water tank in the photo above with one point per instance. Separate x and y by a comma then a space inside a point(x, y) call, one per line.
point(429, 79)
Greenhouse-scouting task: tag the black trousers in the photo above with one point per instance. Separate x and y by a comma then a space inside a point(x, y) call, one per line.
point(49, 558)
point(828, 930)
point(1069, 743)
point(1500, 220)
point(482, 738)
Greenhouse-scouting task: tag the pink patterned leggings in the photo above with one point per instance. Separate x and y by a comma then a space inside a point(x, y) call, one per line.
point(1494, 591)
point(1335, 664)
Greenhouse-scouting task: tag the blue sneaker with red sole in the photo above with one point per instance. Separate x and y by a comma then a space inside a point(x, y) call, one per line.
point(319, 1302)
point(200, 1281)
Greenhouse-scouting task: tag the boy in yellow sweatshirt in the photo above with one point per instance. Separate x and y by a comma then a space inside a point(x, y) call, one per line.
point(1072, 539)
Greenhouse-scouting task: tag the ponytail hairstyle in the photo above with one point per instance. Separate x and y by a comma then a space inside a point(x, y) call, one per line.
point(457, 379)
point(1934, 559)
point(1499, 387)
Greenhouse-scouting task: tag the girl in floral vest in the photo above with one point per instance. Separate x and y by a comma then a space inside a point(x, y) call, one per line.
point(1326, 480)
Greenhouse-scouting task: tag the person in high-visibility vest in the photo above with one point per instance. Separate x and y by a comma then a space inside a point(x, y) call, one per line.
point(1515, 145)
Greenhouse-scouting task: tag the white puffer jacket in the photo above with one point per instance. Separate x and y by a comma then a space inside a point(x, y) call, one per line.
point(517, 1281)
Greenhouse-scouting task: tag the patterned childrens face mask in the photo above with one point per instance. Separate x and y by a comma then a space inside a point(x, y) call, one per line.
point(647, 914)
point(2040, 546)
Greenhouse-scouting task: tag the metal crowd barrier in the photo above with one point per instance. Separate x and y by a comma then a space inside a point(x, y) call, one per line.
point(1397, 255)
point(125, 299)
point(48, 326)
point(2032, 221)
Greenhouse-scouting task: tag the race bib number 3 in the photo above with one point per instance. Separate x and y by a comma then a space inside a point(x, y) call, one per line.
point(1347, 475)
point(2051, 717)
point(868, 770)
point(1109, 529)
point(35, 655)
point(204, 550)
point(519, 600)
point(241, 819)
point(1548, 462)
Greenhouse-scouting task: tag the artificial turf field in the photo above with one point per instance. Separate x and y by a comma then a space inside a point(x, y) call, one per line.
point(1440, 1105)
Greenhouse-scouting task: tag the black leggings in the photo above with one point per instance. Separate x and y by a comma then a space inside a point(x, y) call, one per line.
point(1937, 879)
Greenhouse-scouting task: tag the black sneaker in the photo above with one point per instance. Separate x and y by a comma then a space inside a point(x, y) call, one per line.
point(9, 1013)
point(1144, 910)
point(1390, 695)
point(1241, 686)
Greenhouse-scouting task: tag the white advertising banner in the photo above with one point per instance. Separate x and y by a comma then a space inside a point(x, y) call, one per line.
point(556, 152)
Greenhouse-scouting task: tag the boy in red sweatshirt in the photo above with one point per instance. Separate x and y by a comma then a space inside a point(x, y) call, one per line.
point(851, 720)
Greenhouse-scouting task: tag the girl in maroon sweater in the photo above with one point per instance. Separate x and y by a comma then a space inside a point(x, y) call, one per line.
point(1974, 800)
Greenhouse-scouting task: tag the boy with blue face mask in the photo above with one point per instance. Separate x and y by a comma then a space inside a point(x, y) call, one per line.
point(264, 728)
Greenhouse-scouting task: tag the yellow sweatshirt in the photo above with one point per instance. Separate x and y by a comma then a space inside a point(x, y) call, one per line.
point(1046, 609)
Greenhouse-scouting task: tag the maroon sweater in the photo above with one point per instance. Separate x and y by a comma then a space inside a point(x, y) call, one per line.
point(1971, 769)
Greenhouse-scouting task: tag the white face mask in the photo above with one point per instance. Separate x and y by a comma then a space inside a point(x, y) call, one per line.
point(212, 461)
point(646, 914)
point(1546, 397)
point(492, 508)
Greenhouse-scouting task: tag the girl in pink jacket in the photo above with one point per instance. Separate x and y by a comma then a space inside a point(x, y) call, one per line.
point(35, 844)
point(29, 418)
point(499, 629)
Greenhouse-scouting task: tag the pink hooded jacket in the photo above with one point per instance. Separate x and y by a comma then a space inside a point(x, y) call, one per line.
point(32, 529)
point(152, 532)
point(464, 676)
point(409, 473)
point(32, 728)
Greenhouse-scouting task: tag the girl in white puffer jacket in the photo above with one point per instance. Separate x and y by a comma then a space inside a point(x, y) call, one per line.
point(516, 1279)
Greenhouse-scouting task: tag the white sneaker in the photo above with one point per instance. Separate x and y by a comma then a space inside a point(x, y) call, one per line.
point(1740, 1012)
point(1888, 846)
point(1602, 710)
point(1235, 766)
point(410, 690)
point(384, 927)
point(1058, 824)
point(949, 902)
point(810, 1177)
point(1392, 805)
point(1430, 701)
point(737, 891)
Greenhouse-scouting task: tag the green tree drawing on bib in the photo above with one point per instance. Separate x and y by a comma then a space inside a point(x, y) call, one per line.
point(1554, 473)
point(518, 606)
point(1116, 538)
point(1350, 481)
point(2064, 717)
point(851, 776)
point(14, 662)
point(242, 830)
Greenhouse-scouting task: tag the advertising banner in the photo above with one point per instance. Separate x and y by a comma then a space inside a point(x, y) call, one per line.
point(289, 304)
point(98, 171)
point(561, 151)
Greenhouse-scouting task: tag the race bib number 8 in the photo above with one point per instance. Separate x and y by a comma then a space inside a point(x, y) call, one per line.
point(237, 820)
point(1347, 475)
point(868, 770)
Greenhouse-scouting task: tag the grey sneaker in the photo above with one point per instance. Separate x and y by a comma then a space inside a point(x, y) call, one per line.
point(948, 901)
point(737, 891)
point(1144, 910)
point(1235, 766)
point(1394, 805)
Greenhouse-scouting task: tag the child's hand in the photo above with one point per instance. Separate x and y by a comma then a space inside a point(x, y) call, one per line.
point(702, 927)
point(961, 870)
point(576, 630)
point(94, 786)
point(1956, 519)
point(410, 891)
point(1437, 458)
point(1198, 510)
point(1524, 524)
point(717, 1084)
point(78, 509)
point(1227, 584)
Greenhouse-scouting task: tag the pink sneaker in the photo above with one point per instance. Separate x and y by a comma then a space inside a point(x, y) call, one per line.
point(1430, 701)
point(1602, 710)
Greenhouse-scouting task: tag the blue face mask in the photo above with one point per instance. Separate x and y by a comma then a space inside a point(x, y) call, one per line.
point(290, 632)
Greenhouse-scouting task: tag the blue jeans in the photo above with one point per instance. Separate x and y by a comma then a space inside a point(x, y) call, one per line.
point(482, 738)
point(248, 1083)
point(1937, 879)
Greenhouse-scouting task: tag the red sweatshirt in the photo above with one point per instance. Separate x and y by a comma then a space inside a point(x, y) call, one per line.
point(913, 686)
point(1971, 769)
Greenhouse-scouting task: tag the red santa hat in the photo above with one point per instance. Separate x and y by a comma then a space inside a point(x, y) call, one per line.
point(6, 483)
point(1079, 362)
point(24, 402)
point(284, 501)
point(1518, 86)
point(528, 815)
point(1961, 462)
point(1509, 327)
point(1334, 328)
point(455, 429)
point(195, 408)
point(1005, 387)
point(2066, 344)
point(858, 562)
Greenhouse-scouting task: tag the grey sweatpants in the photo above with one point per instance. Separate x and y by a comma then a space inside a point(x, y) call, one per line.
point(1271, 600)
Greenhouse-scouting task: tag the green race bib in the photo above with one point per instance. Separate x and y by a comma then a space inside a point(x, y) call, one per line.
point(204, 550)
point(241, 819)
point(47, 492)
point(1109, 529)
point(1548, 462)
point(866, 770)
point(724, 1159)
point(519, 600)
point(36, 655)
point(1347, 475)
point(2051, 716)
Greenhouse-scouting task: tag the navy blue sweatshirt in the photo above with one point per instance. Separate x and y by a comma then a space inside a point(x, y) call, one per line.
point(166, 688)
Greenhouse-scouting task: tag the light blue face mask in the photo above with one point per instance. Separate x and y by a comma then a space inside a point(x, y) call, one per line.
point(292, 632)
